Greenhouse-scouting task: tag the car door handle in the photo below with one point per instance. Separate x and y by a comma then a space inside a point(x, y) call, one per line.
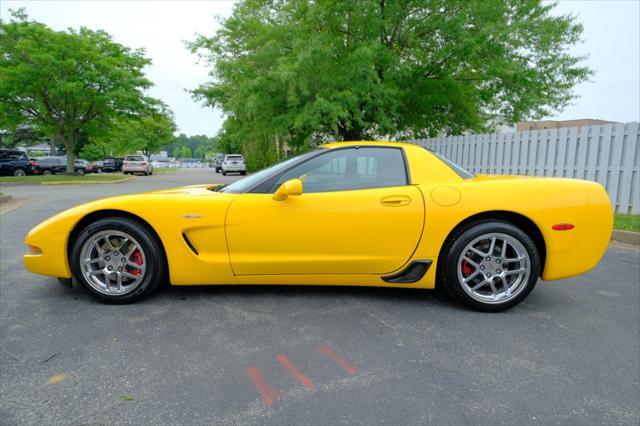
point(395, 201)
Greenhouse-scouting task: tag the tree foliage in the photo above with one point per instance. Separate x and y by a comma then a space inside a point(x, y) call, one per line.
point(147, 133)
point(295, 71)
point(65, 82)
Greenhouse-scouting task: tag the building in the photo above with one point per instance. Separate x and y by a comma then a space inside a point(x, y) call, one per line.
point(557, 124)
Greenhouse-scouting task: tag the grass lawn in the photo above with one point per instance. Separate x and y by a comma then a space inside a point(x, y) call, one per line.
point(627, 222)
point(39, 179)
point(164, 170)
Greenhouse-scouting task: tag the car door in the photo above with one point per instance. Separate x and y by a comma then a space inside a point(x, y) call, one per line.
point(358, 214)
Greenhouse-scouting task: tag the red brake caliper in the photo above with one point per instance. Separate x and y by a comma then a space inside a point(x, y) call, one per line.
point(466, 269)
point(136, 258)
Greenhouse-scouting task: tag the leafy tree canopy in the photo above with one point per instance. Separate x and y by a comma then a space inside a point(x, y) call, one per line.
point(63, 82)
point(148, 132)
point(294, 71)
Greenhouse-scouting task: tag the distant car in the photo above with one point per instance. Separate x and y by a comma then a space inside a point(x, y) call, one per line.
point(137, 164)
point(95, 167)
point(217, 162)
point(233, 163)
point(14, 163)
point(49, 165)
point(56, 165)
point(112, 164)
point(80, 166)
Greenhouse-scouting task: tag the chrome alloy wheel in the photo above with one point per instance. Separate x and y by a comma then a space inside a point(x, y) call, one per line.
point(494, 268)
point(113, 262)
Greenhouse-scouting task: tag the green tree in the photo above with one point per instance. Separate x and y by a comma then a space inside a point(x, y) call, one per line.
point(147, 133)
point(182, 152)
point(92, 152)
point(297, 71)
point(64, 82)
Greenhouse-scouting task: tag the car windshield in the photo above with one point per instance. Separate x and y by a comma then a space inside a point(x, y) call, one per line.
point(242, 185)
point(234, 157)
point(134, 158)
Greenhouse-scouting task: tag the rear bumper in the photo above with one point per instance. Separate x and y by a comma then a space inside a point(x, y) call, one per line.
point(234, 168)
point(141, 169)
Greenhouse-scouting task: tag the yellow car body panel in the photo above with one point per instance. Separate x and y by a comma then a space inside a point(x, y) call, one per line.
point(342, 237)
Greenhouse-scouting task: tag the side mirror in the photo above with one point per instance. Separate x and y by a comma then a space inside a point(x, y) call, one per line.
point(292, 187)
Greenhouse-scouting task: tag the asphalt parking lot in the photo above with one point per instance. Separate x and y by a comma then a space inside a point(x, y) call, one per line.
point(570, 354)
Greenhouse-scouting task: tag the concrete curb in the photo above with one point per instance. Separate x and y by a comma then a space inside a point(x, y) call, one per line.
point(626, 237)
point(89, 182)
point(5, 198)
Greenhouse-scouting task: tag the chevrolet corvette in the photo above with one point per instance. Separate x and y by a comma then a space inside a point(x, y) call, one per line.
point(380, 214)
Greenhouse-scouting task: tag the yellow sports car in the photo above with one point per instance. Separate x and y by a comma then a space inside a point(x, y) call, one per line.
point(353, 213)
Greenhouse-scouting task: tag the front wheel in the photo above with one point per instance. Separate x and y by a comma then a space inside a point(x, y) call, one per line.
point(118, 260)
point(490, 266)
point(19, 172)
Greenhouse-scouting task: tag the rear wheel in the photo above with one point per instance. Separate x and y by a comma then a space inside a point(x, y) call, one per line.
point(224, 173)
point(46, 172)
point(490, 266)
point(118, 260)
point(80, 172)
point(19, 172)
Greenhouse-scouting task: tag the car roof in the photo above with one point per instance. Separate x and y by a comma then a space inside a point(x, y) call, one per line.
point(332, 145)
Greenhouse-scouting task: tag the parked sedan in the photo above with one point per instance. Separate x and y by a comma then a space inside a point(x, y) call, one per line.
point(14, 163)
point(80, 166)
point(378, 214)
point(95, 167)
point(137, 164)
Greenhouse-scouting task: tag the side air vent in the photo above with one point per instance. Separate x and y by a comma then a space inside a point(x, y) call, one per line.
point(411, 274)
point(186, 240)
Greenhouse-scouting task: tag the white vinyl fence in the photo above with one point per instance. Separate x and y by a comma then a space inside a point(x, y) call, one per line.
point(607, 154)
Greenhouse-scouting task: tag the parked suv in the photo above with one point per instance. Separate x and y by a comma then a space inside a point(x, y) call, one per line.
point(233, 163)
point(112, 164)
point(14, 163)
point(217, 162)
point(56, 165)
point(137, 164)
point(49, 165)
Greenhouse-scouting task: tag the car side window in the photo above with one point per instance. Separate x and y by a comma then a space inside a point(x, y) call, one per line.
point(350, 168)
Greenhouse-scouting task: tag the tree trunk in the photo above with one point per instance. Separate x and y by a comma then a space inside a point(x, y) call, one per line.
point(277, 142)
point(69, 143)
point(52, 145)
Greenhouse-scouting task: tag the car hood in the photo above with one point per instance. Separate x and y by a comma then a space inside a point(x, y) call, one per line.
point(204, 189)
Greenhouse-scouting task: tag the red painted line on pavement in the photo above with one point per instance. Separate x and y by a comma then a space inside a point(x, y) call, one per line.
point(338, 359)
point(304, 380)
point(266, 391)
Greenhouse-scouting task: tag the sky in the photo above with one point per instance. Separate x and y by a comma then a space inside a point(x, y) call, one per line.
point(611, 41)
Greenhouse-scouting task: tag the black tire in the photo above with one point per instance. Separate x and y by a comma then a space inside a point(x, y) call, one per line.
point(456, 243)
point(99, 171)
point(80, 172)
point(224, 173)
point(217, 169)
point(19, 172)
point(243, 173)
point(155, 274)
point(46, 172)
